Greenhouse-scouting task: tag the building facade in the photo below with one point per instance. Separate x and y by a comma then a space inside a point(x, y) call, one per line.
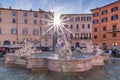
point(17, 25)
point(80, 26)
point(106, 25)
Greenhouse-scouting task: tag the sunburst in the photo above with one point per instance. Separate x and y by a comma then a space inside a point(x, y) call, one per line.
point(57, 24)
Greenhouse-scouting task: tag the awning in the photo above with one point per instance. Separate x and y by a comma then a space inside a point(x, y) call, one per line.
point(11, 46)
point(15, 46)
point(36, 45)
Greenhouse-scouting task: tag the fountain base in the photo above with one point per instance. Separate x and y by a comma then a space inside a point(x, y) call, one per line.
point(47, 61)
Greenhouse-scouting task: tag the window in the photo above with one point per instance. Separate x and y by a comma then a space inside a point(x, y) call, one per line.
point(95, 14)
point(83, 26)
point(71, 19)
point(25, 14)
point(45, 16)
point(104, 20)
point(35, 14)
point(71, 36)
point(25, 21)
point(0, 19)
point(77, 19)
point(46, 40)
point(0, 31)
point(89, 35)
point(114, 27)
point(104, 12)
point(95, 29)
point(47, 34)
point(115, 17)
point(95, 22)
point(13, 31)
point(89, 18)
point(71, 26)
point(25, 31)
point(82, 18)
point(104, 28)
point(35, 21)
point(14, 13)
point(114, 9)
point(88, 26)
point(76, 35)
point(77, 26)
point(35, 32)
point(66, 26)
point(95, 37)
point(13, 20)
point(114, 35)
point(104, 36)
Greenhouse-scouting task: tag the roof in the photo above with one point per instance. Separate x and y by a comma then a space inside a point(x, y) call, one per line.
point(105, 5)
point(40, 10)
point(78, 14)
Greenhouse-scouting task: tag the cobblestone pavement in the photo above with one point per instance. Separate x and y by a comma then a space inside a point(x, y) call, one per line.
point(110, 71)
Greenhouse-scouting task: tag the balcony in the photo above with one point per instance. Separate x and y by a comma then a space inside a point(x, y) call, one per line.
point(82, 38)
point(114, 30)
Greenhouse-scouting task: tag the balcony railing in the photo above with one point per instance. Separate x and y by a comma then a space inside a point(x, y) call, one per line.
point(114, 30)
point(82, 38)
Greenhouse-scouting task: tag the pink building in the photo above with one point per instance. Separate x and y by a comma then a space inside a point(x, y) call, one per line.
point(81, 27)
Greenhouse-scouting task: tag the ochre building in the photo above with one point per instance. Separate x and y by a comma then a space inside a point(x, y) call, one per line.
point(16, 25)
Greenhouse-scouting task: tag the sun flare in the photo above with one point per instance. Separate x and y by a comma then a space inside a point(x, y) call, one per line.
point(57, 21)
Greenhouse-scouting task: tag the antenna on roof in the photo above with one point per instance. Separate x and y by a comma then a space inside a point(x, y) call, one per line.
point(9, 7)
point(30, 9)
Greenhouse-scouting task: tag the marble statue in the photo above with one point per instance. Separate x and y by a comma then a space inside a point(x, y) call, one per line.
point(26, 50)
point(63, 48)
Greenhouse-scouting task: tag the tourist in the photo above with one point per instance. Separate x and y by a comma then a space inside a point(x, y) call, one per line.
point(114, 48)
point(110, 52)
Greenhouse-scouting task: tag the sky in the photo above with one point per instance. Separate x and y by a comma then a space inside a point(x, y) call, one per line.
point(57, 6)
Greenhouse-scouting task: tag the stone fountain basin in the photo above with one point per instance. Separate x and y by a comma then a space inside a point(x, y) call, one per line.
point(47, 61)
point(71, 65)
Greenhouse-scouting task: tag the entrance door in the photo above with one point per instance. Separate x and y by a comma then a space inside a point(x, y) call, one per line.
point(77, 44)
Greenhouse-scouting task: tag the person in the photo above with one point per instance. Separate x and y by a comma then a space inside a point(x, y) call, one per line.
point(114, 48)
point(110, 52)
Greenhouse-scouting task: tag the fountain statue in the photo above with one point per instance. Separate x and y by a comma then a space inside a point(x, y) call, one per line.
point(26, 50)
point(89, 48)
point(63, 49)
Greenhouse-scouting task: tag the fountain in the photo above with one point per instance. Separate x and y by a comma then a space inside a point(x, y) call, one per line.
point(62, 60)
point(20, 56)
